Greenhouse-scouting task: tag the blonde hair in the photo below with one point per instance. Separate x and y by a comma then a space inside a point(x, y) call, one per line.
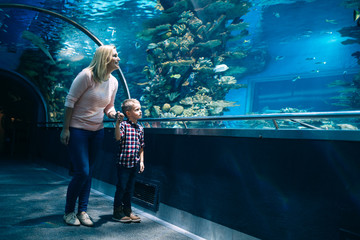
point(101, 59)
point(128, 104)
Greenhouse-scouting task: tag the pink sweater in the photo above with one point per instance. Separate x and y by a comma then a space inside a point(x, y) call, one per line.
point(90, 101)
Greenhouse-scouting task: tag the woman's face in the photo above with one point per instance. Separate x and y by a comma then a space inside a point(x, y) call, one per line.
point(114, 62)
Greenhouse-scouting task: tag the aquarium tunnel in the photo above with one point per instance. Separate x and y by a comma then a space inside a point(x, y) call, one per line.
point(250, 108)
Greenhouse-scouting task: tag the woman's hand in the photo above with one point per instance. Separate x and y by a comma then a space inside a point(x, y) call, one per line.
point(114, 115)
point(65, 136)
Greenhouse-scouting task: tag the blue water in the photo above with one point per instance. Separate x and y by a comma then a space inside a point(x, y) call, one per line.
point(297, 50)
point(304, 45)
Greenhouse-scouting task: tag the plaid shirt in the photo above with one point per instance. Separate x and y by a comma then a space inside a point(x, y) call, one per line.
point(128, 154)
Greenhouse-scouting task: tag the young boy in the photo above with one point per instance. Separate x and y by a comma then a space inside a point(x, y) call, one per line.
point(130, 157)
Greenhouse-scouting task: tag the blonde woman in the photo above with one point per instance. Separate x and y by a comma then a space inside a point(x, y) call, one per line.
point(91, 95)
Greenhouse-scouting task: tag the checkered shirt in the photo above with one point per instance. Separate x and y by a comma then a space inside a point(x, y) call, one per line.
point(128, 154)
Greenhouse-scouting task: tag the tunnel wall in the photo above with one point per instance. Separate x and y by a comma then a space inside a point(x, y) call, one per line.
point(269, 188)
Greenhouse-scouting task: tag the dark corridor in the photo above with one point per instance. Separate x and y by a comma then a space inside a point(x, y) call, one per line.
point(21, 107)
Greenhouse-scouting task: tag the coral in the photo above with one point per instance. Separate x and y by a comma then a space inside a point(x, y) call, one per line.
point(177, 110)
point(166, 107)
point(172, 96)
point(227, 80)
point(188, 59)
point(167, 115)
point(347, 127)
point(188, 112)
point(217, 107)
point(187, 101)
point(209, 44)
point(156, 111)
point(239, 26)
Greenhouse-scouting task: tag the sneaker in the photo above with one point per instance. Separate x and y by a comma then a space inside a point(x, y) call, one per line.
point(119, 215)
point(71, 219)
point(85, 219)
point(135, 218)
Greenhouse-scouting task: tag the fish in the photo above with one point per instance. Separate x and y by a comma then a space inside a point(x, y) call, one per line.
point(277, 58)
point(276, 14)
point(344, 75)
point(37, 41)
point(221, 68)
point(191, 78)
point(186, 83)
point(295, 78)
point(357, 16)
point(310, 58)
point(176, 76)
point(320, 63)
point(332, 21)
point(137, 45)
point(152, 46)
point(143, 83)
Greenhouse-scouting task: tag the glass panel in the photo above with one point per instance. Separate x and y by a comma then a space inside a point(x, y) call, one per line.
point(197, 58)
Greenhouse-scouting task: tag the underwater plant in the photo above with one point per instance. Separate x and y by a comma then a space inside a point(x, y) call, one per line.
point(189, 65)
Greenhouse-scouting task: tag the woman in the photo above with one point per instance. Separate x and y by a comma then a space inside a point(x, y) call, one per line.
point(91, 94)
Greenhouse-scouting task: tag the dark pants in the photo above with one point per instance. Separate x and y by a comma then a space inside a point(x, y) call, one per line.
point(125, 186)
point(84, 148)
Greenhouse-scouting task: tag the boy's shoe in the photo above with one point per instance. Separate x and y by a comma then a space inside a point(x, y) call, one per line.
point(119, 215)
point(135, 218)
point(71, 219)
point(85, 219)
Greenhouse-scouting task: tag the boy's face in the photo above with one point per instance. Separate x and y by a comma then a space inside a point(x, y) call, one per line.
point(135, 113)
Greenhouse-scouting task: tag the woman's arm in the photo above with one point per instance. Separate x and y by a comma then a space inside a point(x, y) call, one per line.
point(65, 133)
point(110, 108)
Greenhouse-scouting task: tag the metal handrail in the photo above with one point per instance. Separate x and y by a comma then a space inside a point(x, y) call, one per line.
point(253, 117)
point(290, 116)
point(273, 117)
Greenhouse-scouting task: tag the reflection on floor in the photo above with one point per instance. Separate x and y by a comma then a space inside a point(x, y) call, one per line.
point(32, 204)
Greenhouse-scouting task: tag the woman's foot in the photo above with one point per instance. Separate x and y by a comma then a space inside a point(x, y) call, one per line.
point(71, 219)
point(85, 219)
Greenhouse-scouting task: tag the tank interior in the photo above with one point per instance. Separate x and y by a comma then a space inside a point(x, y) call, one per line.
point(250, 110)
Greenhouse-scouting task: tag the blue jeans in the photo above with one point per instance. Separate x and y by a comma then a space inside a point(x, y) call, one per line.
point(125, 186)
point(84, 148)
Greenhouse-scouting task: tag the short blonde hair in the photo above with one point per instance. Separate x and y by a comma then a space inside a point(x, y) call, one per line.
point(101, 59)
point(128, 105)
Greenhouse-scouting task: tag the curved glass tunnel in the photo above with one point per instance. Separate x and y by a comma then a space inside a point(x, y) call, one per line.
point(250, 107)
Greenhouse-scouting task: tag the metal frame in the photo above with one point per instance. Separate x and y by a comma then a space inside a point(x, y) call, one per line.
point(273, 117)
point(310, 133)
point(75, 24)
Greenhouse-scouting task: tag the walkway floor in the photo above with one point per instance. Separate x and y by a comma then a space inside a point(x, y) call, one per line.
point(32, 200)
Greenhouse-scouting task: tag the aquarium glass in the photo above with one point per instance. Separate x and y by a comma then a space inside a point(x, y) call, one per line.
point(197, 58)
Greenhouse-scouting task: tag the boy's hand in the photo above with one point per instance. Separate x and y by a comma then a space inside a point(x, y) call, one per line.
point(119, 117)
point(142, 167)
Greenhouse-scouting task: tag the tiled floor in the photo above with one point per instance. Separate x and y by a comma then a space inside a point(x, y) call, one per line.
point(32, 200)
